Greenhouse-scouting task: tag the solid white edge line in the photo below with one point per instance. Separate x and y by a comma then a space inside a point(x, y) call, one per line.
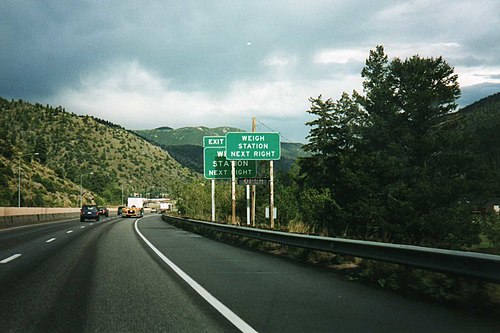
point(50, 240)
point(6, 260)
point(224, 310)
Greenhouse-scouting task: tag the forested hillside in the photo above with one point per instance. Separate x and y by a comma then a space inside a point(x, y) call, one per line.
point(167, 136)
point(186, 145)
point(57, 150)
point(483, 125)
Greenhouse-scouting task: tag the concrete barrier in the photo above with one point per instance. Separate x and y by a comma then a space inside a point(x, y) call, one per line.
point(17, 216)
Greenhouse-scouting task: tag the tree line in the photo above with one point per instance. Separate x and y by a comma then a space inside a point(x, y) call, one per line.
point(394, 163)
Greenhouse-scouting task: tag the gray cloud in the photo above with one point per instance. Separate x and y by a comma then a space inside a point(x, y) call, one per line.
point(190, 59)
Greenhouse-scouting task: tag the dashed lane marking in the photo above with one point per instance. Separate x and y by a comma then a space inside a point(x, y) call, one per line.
point(13, 257)
point(69, 231)
point(50, 240)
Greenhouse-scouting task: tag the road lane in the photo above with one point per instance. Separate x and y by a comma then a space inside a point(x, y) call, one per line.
point(214, 302)
point(132, 292)
point(12, 237)
point(33, 244)
point(102, 280)
point(273, 294)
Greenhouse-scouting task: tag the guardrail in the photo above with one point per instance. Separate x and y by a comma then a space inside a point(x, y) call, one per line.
point(17, 216)
point(470, 264)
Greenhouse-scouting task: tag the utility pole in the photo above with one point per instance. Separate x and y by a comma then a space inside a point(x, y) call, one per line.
point(19, 177)
point(81, 186)
point(19, 186)
point(254, 194)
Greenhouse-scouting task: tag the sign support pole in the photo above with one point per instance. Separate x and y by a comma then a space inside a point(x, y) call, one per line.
point(213, 200)
point(271, 186)
point(248, 204)
point(254, 190)
point(233, 191)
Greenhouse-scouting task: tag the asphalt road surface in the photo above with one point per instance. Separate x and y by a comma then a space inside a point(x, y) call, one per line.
point(127, 275)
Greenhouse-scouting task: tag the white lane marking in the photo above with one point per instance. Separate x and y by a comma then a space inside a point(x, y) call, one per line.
point(91, 223)
point(82, 227)
point(69, 231)
point(6, 260)
point(37, 225)
point(50, 240)
point(224, 310)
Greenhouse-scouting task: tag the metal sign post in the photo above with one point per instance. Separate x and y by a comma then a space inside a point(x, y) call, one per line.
point(233, 191)
point(213, 200)
point(248, 204)
point(271, 195)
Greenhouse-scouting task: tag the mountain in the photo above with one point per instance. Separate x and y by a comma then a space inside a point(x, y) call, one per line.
point(488, 104)
point(62, 149)
point(480, 125)
point(166, 136)
point(186, 145)
point(471, 94)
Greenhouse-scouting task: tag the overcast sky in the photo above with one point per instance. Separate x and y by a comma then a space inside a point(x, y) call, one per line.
point(144, 64)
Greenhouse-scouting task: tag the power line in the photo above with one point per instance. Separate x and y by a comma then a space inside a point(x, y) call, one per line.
point(272, 130)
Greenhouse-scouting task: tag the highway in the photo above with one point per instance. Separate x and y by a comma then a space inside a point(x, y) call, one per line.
point(128, 275)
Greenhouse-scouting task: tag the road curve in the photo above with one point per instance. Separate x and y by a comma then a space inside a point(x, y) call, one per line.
point(273, 294)
point(100, 280)
point(104, 277)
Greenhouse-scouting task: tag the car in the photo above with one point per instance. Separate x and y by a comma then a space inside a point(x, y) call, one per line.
point(120, 209)
point(89, 212)
point(103, 211)
point(133, 211)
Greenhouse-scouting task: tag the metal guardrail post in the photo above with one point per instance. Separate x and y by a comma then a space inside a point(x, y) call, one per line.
point(471, 264)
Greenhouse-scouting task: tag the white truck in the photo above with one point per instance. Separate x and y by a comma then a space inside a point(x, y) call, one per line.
point(164, 207)
point(137, 202)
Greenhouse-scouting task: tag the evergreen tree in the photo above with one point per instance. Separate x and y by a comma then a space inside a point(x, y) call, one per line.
point(380, 156)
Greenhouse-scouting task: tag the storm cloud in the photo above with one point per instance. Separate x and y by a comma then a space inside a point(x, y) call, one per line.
point(145, 64)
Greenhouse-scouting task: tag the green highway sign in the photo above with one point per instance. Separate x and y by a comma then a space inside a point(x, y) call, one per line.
point(257, 146)
point(216, 166)
point(214, 141)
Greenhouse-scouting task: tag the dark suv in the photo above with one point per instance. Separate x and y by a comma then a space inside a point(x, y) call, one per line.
point(89, 212)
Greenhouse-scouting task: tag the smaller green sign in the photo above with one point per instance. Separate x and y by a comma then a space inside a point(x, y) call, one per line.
point(214, 141)
point(216, 166)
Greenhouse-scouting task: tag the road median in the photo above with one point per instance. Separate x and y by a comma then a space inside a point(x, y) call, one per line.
point(18, 216)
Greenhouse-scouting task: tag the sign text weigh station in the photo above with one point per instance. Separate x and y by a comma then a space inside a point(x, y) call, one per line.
point(253, 146)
